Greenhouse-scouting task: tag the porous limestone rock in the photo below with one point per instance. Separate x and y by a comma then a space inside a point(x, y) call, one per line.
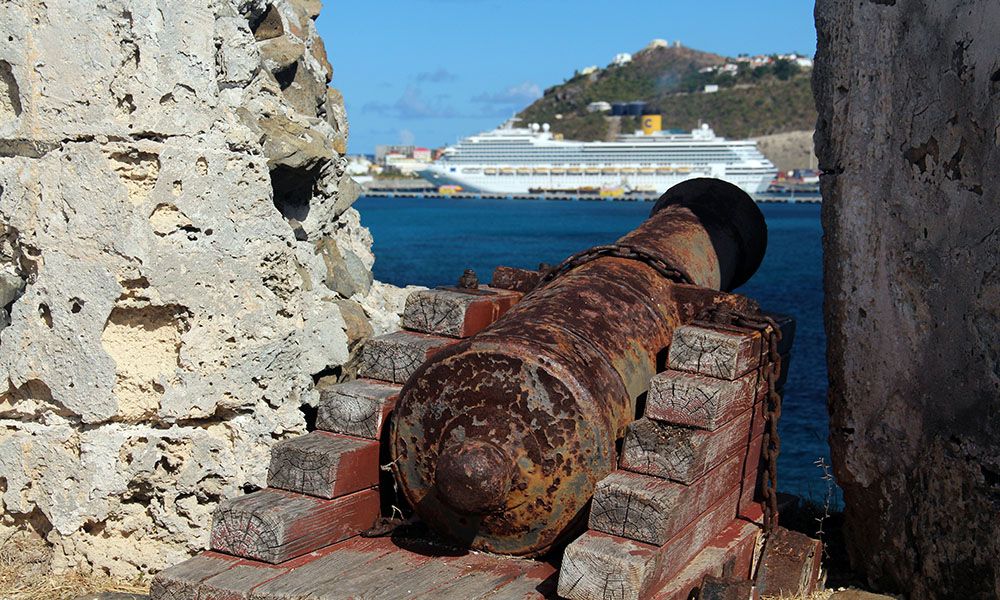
point(909, 101)
point(179, 259)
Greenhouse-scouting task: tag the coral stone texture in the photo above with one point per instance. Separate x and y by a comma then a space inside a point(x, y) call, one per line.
point(179, 262)
point(909, 101)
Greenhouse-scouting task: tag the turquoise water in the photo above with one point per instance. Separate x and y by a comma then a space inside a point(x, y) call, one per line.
point(430, 242)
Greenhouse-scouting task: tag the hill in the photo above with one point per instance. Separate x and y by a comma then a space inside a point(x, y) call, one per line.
point(752, 101)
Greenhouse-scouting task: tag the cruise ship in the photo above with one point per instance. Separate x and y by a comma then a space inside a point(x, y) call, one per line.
point(526, 160)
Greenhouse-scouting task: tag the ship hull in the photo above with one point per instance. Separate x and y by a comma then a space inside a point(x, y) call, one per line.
point(514, 183)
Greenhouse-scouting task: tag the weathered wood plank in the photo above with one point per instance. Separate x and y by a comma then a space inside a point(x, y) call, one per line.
point(396, 356)
point(790, 565)
point(726, 588)
point(398, 575)
point(360, 407)
point(181, 582)
point(321, 579)
point(274, 525)
point(683, 454)
point(725, 554)
point(237, 583)
point(681, 398)
point(456, 313)
point(597, 566)
point(715, 350)
point(324, 464)
point(653, 510)
point(519, 280)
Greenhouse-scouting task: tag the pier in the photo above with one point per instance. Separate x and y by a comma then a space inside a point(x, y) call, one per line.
point(809, 197)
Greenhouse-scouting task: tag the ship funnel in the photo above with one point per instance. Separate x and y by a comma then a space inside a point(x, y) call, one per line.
point(652, 124)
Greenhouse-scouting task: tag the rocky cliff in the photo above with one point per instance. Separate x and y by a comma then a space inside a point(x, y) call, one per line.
point(179, 263)
point(908, 141)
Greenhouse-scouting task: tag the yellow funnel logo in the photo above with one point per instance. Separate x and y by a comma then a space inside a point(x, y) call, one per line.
point(652, 124)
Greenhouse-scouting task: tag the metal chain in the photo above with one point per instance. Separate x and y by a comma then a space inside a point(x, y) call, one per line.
point(626, 251)
point(772, 441)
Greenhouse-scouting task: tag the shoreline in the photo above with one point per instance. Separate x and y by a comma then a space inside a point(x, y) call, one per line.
point(767, 197)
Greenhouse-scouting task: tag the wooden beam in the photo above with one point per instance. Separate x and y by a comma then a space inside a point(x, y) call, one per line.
point(274, 525)
point(653, 510)
point(396, 356)
point(715, 350)
point(239, 582)
point(182, 581)
point(681, 398)
point(597, 566)
point(359, 408)
point(519, 280)
point(729, 553)
point(683, 454)
point(324, 464)
point(456, 313)
point(726, 588)
point(790, 565)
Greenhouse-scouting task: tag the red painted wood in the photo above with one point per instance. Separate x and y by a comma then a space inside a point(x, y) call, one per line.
point(274, 525)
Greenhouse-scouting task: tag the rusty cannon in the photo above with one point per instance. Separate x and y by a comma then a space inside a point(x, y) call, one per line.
point(499, 440)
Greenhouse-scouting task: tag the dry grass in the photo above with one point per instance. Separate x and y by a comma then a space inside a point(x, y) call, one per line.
point(25, 575)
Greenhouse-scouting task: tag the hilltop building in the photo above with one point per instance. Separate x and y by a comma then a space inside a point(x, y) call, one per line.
point(621, 59)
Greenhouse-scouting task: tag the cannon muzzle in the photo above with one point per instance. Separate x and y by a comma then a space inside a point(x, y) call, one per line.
point(499, 441)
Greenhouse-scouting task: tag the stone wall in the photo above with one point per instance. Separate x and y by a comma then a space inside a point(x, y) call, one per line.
point(179, 263)
point(908, 93)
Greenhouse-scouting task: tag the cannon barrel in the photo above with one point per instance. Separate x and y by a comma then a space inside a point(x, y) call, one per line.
point(499, 441)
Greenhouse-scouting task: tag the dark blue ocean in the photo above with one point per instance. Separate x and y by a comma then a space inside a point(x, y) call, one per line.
point(430, 242)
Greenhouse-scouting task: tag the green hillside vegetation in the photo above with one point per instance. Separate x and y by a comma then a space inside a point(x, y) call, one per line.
point(754, 101)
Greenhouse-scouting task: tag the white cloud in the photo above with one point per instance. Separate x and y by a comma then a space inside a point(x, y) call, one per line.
point(522, 93)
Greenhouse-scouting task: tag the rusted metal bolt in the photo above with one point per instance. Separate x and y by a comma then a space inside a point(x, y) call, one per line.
point(474, 477)
point(468, 280)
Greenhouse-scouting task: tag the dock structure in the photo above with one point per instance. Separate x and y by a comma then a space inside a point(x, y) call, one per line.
point(776, 197)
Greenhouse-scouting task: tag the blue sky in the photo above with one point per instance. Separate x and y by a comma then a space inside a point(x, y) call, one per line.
point(431, 71)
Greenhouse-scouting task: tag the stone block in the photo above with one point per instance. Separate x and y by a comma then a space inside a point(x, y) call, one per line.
point(715, 350)
point(456, 313)
point(681, 398)
point(396, 356)
point(324, 464)
point(274, 525)
point(683, 454)
point(360, 407)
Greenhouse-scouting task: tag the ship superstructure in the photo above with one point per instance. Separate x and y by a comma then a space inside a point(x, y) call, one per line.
point(523, 160)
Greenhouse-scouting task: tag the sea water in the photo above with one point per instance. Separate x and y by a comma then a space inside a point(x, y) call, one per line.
point(431, 242)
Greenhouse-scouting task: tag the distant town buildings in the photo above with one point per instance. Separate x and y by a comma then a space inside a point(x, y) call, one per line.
point(621, 59)
point(598, 107)
point(760, 60)
point(658, 43)
point(589, 70)
point(711, 88)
